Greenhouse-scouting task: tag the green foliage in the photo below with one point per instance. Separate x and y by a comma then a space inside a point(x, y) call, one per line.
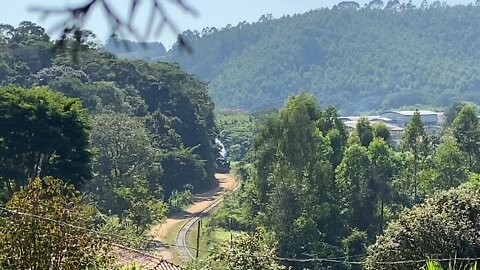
point(446, 226)
point(416, 141)
point(30, 242)
point(182, 167)
point(364, 131)
point(43, 133)
point(153, 124)
point(414, 137)
point(354, 181)
point(126, 169)
point(153, 127)
point(452, 112)
point(433, 265)
point(292, 193)
point(180, 199)
point(355, 244)
point(124, 231)
point(178, 111)
point(466, 130)
point(131, 267)
point(364, 182)
point(449, 167)
point(232, 214)
point(473, 183)
point(236, 132)
point(428, 57)
point(245, 252)
point(380, 130)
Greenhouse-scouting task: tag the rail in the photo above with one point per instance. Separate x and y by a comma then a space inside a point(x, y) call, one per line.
point(181, 237)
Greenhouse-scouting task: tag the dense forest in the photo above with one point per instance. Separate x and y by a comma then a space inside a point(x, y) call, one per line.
point(357, 59)
point(136, 138)
point(318, 196)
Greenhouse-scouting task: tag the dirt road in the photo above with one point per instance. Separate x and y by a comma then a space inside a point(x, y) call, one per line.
point(166, 231)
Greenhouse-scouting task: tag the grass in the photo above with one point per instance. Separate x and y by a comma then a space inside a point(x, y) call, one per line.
point(208, 241)
point(453, 265)
point(169, 240)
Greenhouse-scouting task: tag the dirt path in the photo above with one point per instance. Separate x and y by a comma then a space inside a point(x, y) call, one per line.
point(163, 232)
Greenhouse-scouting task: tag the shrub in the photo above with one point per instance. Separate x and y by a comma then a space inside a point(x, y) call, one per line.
point(453, 265)
point(179, 199)
point(445, 226)
point(43, 229)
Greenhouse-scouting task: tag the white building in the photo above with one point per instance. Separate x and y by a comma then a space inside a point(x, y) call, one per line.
point(402, 118)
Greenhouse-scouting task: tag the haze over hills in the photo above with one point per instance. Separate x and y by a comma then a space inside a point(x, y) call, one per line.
point(356, 59)
point(128, 49)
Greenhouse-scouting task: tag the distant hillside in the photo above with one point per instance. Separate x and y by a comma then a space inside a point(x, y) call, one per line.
point(135, 50)
point(357, 59)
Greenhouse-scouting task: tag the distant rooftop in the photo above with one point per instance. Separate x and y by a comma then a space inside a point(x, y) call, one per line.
point(371, 118)
point(410, 113)
point(353, 124)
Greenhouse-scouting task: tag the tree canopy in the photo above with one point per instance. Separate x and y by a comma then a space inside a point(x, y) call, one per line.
point(41, 230)
point(140, 133)
point(43, 134)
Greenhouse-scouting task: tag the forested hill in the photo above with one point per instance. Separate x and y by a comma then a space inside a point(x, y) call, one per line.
point(356, 59)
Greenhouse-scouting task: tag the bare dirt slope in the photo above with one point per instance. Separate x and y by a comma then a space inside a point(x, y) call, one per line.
point(164, 231)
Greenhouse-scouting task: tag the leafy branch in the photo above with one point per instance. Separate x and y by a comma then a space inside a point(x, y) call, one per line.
point(76, 18)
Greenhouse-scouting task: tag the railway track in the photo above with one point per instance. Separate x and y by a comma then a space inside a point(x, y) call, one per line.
point(181, 237)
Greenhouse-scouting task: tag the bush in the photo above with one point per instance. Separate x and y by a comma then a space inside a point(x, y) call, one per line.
point(452, 265)
point(38, 237)
point(231, 215)
point(129, 233)
point(445, 226)
point(244, 252)
point(179, 199)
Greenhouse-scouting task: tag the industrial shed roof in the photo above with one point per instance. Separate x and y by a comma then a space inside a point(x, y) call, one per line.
point(410, 113)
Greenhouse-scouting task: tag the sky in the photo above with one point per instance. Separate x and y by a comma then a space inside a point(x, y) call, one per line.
point(209, 13)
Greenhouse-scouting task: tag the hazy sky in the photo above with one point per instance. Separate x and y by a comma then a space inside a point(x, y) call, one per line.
point(217, 13)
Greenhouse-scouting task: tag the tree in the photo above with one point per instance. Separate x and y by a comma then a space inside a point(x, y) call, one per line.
point(293, 182)
point(424, 5)
point(364, 131)
point(385, 166)
point(381, 130)
point(376, 4)
point(355, 244)
point(127, 169)
point(452, 112)
point(445, 226)
point(448, 166)
point(332, 127)
point(466, 130)
point(354, 180)
point(348, 5)
point(415, 140)
point(43, 134)
point(49, 227)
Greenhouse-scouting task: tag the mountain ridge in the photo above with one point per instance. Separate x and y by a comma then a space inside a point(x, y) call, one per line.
point(356, 59)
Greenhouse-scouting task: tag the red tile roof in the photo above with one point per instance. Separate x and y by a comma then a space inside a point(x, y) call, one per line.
point(165, 265)
point(126, 256)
